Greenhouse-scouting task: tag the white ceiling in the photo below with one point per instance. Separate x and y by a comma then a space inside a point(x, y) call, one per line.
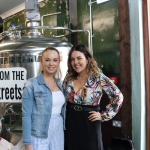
point(6, 5)
point(10, 7)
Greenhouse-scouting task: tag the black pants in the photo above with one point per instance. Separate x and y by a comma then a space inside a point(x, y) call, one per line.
point(81, 133)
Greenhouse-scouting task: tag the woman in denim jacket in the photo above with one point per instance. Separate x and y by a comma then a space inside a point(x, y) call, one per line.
point(43, 106)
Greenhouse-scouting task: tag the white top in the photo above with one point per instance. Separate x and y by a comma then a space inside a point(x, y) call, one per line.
point(58, 101)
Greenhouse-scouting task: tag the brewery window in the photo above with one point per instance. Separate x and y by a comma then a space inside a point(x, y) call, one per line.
point(6, 60)
point(18, 59)
point(1, 60)
point(11, 59)
point(32, 58)
point(24, 58)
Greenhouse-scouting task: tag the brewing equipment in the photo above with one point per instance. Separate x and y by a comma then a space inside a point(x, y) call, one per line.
point(26, 52)
point(18, 50)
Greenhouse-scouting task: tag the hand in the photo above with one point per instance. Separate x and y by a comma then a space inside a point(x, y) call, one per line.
point(94, 116)
point(28, 147)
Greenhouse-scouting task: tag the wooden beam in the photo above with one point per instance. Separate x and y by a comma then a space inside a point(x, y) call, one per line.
point(146, 33)
point(125, 67)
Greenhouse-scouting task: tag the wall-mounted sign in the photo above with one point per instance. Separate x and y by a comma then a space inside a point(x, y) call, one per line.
point(12, 81)
point(114, 80)
point(101, 1)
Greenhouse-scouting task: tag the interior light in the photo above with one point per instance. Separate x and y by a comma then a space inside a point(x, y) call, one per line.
point(101, 1)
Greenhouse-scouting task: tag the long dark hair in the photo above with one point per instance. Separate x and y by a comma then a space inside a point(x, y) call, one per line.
point(92, 68)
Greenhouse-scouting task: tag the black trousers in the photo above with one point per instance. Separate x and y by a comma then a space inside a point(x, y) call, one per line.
point(81, 133)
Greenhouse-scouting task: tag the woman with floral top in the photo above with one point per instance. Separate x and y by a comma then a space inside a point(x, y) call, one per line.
point(83, 88)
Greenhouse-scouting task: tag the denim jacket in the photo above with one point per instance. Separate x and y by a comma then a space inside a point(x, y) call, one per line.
point(37, 108)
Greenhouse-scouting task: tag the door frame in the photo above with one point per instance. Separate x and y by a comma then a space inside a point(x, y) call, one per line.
point(146, 38)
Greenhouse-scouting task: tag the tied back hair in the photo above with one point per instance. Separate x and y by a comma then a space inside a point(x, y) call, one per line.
point(58, 73)
point(92, 68)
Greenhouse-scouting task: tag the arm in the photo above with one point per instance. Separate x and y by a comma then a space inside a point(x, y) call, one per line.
point(115, 96)
point(27, 105)
point(28, 147)
point(64, 85)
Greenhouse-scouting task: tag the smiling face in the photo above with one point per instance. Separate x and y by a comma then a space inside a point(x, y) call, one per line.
point(79, 62)
point(50, 61)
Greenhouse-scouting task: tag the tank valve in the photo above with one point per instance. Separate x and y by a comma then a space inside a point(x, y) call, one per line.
point(32, 17)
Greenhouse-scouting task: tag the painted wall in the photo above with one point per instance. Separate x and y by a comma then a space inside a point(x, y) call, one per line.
point(138, 76)
point(45, 7)
point(105, 30)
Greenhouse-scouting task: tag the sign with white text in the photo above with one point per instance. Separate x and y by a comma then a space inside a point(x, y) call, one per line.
point(12, 81)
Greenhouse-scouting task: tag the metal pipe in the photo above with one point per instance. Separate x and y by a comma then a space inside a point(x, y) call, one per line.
point(93, 2)
point(4, 34)
point(32, 16)
point(46, 16)
point(42, 27)
point(89, 42)
point(91, 24)
point(56, 28)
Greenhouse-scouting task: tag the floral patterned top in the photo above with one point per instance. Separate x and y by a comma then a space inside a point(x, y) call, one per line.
point(91, 93)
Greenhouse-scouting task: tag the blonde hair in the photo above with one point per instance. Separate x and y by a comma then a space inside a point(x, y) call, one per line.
point(58, 73)
point(92, 68)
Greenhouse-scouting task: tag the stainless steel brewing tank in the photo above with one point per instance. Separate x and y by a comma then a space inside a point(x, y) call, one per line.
point(26, 52)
